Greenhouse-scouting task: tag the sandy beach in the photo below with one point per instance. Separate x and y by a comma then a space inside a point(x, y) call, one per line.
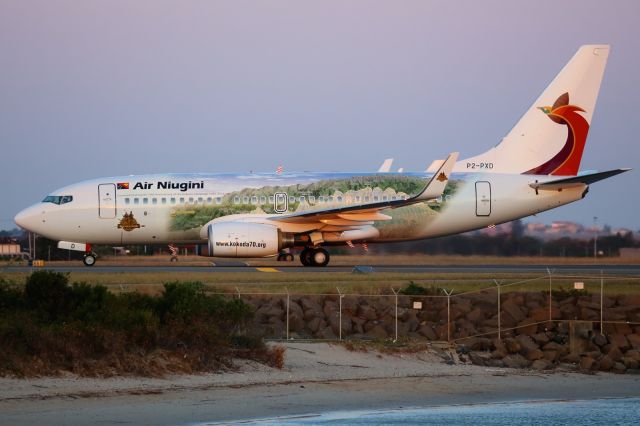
point(317, 377)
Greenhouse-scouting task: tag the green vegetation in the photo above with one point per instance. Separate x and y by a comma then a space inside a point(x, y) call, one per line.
point(47, 326)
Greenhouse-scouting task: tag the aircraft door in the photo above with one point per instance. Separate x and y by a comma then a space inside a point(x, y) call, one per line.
point(107, 200)
point(280, 202)
point(483, 198)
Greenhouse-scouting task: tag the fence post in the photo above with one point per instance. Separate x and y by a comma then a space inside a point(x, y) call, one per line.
point(550, 299)
point(448, 293)
point(238, 291)
point(601, 301)
point(396, 297)
point(499, 312)
point(340, 314)
point(287, 288)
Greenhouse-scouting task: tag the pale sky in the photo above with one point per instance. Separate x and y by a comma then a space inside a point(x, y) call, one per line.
point(90, 89)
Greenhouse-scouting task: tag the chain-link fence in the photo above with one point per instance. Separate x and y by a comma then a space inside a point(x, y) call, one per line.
point(602, 304)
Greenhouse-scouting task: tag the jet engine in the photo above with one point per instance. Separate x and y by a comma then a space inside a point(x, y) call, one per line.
point(245, 239)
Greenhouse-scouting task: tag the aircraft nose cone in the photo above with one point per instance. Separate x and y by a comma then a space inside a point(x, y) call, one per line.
point(28, 218)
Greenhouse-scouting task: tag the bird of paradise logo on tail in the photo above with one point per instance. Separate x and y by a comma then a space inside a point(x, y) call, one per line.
point(567, 161)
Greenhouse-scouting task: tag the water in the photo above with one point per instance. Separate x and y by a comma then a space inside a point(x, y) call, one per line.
point(624, 411)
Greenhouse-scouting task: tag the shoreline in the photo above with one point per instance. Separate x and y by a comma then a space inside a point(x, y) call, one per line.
point(317, 378)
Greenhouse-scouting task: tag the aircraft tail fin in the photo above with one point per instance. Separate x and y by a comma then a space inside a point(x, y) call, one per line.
point(550, 137)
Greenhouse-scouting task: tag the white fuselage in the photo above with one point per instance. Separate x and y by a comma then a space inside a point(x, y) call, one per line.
point(174, 208)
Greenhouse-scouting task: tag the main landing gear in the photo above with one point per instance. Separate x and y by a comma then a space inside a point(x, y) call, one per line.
point(314, 256)
point(89, 259)
point(285, 257)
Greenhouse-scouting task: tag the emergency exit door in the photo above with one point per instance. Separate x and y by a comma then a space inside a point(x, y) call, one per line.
point(483, 198)
point(107, 200)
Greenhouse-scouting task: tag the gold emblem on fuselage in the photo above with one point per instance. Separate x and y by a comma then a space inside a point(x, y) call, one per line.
point(128, 222)
point(442, 177)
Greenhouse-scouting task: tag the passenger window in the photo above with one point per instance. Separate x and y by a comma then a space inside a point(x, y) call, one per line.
point(366, 199)
point(263, 199)
point(339, 199)
point(218, 200)
point(245, 200)
point(357, 198)
point(127, 201)
point(181, 200)
point(292, 200)
point(164, 200)
point(173, 200)
point(136, 201)
point(271, 199)
point(236, 200)
point(145, 201)
point(312, 199)
point(190, 200)
point(209, 200)
point(154, 201)
point(200, 200)
point(321, 199)
point(254, 200)
point(302, 199)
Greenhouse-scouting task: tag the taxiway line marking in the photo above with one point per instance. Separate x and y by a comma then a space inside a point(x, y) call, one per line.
point(267, 269)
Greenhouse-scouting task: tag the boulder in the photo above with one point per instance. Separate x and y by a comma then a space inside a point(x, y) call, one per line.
point(630, 363)
point(634, 354)
point(599, 340)
point(296, 322)
point(634, 340)
point(479, 358)
point(571, 358)
point(526, 343)
point(480, 344)
point(535, 354)
point(516, 361)
point(475, 316)
point(327, 334)
point(377, 332)
point(513, 310)
point(527, 326)
point(541, 364)
point(619, 368)
point(615, 353)
point(606, 363)
point(540, 338)
point(316, 324)
point(586, 363)
point(428, 332)
point(551, 356)
point(512, 345)
point(330, 308)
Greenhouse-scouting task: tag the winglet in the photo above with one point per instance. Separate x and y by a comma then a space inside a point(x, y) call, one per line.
point(385, 167)
point(437, 183)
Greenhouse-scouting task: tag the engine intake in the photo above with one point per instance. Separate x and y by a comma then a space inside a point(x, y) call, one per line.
point(246, 239)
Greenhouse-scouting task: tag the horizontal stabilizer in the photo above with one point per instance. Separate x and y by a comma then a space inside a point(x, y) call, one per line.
point(585, 179)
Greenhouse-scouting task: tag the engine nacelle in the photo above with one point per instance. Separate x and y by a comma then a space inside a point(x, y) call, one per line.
point(246, 239)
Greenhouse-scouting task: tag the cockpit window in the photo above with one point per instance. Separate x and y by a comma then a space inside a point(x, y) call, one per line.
point(58, 199)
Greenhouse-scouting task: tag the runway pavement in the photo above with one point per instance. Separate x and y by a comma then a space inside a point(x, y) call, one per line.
point(237, 267)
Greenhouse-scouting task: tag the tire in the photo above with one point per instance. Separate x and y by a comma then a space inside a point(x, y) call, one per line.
point(289, 257)
point(174, 258)
point(89, 259)
point(305, 257)
point(319, 257)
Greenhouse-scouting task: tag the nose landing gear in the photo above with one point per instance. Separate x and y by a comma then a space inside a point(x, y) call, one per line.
point(89, 259)
point(314, 256)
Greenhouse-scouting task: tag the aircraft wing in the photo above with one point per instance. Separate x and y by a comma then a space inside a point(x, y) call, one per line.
point(585, 179)
point(365, 214)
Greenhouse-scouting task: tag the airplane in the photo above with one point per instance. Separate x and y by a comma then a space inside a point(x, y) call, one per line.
point(253, 215)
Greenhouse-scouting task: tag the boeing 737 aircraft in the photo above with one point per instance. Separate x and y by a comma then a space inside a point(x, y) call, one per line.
point(533, 169)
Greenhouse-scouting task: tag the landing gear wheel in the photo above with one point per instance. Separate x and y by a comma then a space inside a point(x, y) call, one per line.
point(319, 257)
point(174, 258)
point(289, 257)
point(89, 259)
point(314, 257)
point(305, 256)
